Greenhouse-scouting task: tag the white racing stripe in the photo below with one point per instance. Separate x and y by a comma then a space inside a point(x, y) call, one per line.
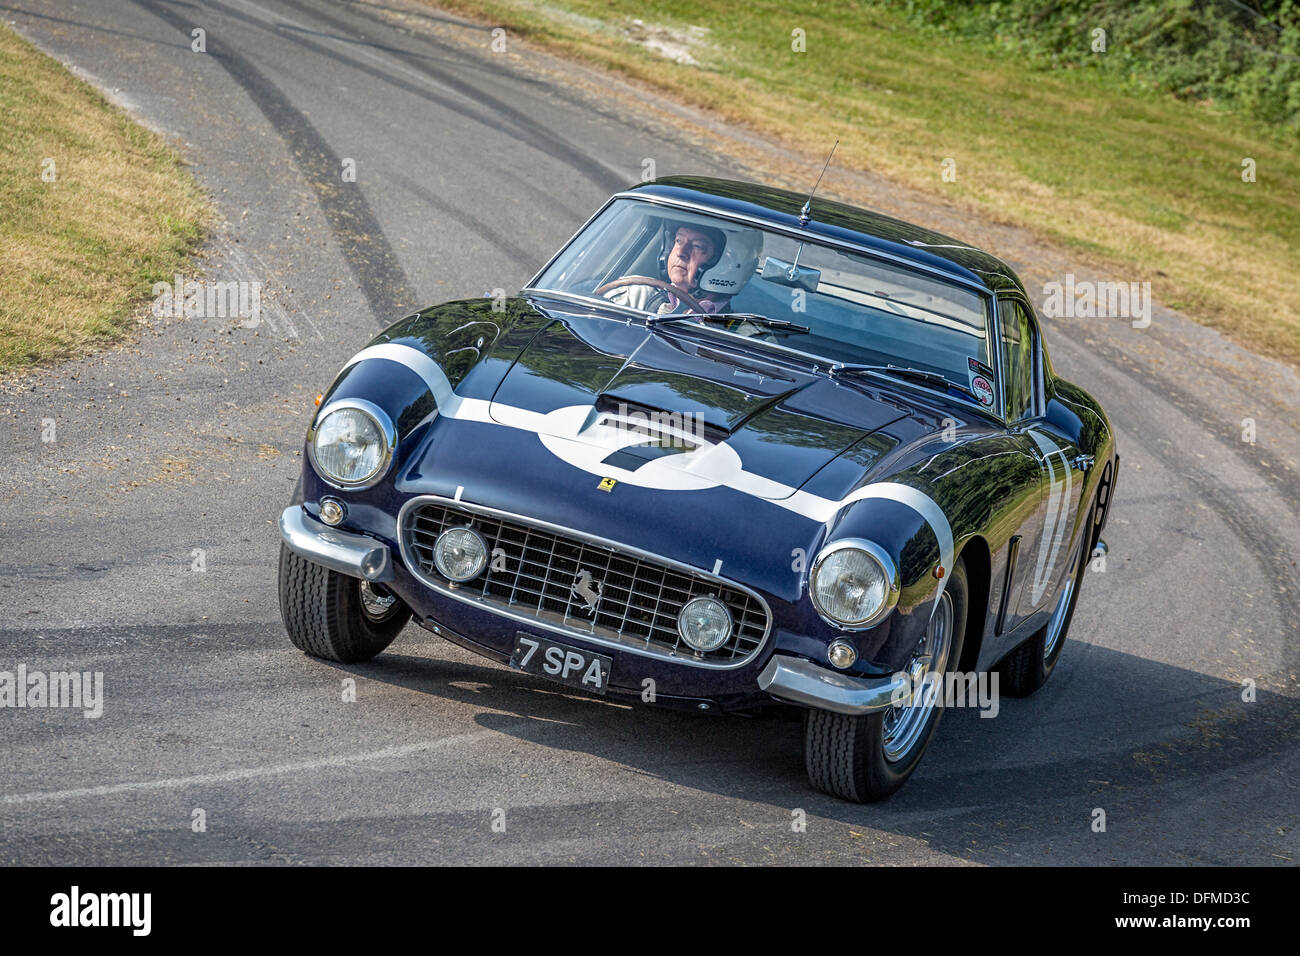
point(823, 509)
point(449, 403)
point(700, 474)
point(1055, 518)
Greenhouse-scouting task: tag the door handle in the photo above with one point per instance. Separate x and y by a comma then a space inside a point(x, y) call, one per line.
point(1082, 462)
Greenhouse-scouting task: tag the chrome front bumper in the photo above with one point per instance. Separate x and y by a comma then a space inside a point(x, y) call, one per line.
point(803, 682)
point(356, 555)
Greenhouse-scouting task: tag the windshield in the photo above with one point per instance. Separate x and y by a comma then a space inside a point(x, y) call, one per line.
point(839, 305)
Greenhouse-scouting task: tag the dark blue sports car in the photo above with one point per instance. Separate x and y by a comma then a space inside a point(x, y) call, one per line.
point(729, 450)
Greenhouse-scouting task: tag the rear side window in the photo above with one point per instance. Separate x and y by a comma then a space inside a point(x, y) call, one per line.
point(1017, 359)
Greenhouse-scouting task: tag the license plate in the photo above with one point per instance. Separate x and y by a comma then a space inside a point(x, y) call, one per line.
point(568, 665)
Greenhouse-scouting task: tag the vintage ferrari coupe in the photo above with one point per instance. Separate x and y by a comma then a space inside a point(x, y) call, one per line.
point(729, 449)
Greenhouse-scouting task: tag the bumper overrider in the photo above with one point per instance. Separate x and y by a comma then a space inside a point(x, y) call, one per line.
point(356, 555)
point(784, 677)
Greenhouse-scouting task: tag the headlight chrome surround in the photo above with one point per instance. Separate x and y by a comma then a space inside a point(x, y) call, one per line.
point(887, 566)
point(386, 430)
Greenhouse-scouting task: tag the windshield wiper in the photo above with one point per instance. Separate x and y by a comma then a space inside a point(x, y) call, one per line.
point(780, 325)
point(899, 371)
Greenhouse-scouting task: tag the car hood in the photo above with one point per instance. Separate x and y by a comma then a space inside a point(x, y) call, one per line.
point(663, 408)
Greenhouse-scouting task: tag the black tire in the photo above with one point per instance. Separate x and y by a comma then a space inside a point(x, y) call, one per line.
point(324, 615)
point(1028, 667)
point(845, 754)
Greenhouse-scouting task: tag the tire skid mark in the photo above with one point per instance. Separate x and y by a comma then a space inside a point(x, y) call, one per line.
point(365, 247)
point(471, 223)
point(493, 112)
point(1254, 531)
point(469, 220)
point(1223, 735)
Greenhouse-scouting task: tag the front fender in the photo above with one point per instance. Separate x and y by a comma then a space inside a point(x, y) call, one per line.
point(923, 514)
point(915, 532)
point(446, 354)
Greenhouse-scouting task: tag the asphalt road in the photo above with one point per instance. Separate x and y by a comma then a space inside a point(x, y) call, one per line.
point(141, 542)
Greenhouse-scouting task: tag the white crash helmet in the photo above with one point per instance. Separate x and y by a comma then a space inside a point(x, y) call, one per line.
point(737, 263)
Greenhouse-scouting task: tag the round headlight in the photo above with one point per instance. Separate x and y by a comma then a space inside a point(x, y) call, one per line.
point(350, 446)
point(854, 583)
point(704, 623)
point(460, 554)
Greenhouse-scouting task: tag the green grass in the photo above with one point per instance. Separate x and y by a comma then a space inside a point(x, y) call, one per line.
point(79, 252)
point(1142, 186)
point(1244, 56)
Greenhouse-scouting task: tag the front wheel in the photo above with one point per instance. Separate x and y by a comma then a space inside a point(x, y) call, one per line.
point(331, 615)
point(866, 757)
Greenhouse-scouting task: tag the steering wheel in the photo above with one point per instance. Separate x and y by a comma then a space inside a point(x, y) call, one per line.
point(692, 303)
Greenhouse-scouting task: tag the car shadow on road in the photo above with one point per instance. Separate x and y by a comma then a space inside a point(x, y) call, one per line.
point(1111, 731)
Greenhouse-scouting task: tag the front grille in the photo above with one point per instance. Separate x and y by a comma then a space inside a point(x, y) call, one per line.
point(542, 574)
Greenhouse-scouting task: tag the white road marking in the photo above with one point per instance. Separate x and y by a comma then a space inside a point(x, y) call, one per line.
point(246, 773)
point(281, 324)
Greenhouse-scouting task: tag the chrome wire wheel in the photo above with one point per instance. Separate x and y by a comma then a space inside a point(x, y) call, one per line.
point(904, 725)
point(1056, 626)
point(376, 606)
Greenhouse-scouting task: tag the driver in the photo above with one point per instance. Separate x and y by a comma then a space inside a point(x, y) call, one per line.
point(706, 263)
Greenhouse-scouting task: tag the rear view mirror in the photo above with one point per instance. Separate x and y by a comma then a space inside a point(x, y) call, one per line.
point(791, 274)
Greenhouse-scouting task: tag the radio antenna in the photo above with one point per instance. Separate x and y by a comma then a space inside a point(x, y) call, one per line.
point(806, 212)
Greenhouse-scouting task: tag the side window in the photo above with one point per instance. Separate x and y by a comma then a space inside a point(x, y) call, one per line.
point(1017, 359)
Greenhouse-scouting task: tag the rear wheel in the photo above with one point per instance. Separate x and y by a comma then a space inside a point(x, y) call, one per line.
point(866, 757)
point(334, 616)
point(1028, 667)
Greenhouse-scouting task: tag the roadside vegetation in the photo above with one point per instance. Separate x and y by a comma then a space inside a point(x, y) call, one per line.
point(94, 209)
point(1240, 55)
point(1139, 163)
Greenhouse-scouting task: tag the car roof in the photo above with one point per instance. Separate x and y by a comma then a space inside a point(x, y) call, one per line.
point(834, 220)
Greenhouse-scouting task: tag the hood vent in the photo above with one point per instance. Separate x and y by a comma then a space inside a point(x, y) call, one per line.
point(657, 423)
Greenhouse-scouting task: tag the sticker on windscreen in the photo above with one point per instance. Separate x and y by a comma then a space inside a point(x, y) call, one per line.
point(981, 381)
